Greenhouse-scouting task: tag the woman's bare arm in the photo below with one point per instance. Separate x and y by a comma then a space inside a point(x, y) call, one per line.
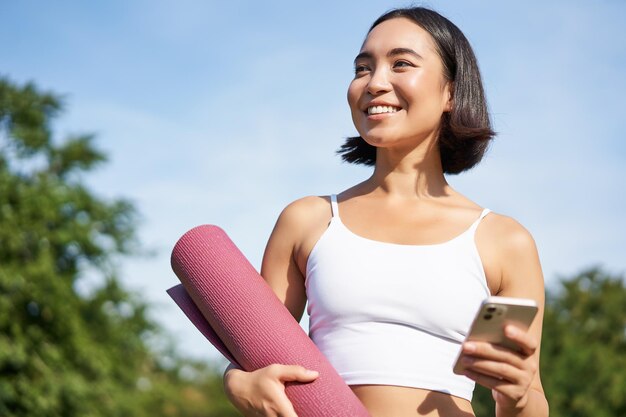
point(513, 377)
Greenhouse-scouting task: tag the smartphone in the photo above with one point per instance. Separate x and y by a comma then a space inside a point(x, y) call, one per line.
point(492, 316)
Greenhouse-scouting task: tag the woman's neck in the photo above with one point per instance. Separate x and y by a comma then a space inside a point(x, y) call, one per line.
point(417, 174)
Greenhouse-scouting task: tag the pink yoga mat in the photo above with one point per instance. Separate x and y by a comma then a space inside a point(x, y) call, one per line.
point(231, 304)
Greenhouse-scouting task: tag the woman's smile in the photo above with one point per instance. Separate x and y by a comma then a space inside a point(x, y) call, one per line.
point(376, 111)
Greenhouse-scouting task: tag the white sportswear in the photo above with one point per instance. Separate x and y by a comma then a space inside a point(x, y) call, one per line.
point(391, 314)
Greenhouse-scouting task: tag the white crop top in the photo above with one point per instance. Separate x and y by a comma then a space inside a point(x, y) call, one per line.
point(392, 314)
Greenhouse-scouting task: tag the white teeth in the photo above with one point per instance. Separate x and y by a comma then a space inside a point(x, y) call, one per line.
point(381, 109)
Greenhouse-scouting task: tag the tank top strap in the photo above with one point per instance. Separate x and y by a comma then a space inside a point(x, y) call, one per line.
point(334, 207)
point(474, 225)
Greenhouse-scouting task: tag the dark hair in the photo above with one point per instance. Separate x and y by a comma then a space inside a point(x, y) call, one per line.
point(465, 130)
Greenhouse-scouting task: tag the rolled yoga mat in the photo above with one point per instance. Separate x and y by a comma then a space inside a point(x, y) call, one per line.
point(231, 304)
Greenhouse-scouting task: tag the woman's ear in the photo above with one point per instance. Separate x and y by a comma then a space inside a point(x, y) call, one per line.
point(449, 93)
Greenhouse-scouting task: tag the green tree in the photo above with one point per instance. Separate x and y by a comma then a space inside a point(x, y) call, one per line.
point(63, 353)
point(583, 350)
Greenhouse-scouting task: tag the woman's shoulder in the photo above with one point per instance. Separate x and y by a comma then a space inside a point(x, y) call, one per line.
point(306, 213)
point(507, 232)
point(307, 207)
point(302, 222)
point(509, 255)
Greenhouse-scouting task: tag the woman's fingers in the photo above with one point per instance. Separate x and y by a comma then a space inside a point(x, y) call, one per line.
point(295, 373)
point(514, 392)
point(271, 401)
point(486, 380)
point(490, 351)
point(287, 373)
point(527, 343)
point(276, 403)
point(284, 407)
point(498, 362)
point(502, 371)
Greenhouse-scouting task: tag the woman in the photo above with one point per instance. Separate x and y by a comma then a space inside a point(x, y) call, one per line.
point(395, 267)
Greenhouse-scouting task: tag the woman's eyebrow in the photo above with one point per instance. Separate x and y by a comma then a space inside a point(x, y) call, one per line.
point(402, 51)
point(391, 53)
point(363, 55)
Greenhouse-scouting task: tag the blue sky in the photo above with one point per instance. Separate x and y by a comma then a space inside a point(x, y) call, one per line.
point(224, 112)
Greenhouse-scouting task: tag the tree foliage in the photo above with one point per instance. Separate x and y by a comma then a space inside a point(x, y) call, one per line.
point(63, 353)
point(585, 347)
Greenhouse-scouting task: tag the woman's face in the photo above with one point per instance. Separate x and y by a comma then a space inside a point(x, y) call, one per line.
point(399, 92)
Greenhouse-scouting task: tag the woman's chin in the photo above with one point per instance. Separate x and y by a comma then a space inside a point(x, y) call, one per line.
point(380, 141)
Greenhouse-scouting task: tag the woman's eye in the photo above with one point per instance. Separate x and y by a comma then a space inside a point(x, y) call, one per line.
point(402, 64)
point(360, 68)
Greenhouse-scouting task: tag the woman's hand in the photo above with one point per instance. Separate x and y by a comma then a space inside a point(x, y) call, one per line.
point(262, 392)
point(508, 373)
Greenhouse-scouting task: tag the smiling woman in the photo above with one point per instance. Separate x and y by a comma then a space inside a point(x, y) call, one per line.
point(394, 267)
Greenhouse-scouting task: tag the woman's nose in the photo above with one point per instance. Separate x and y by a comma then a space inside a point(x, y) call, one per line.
point(379, 82)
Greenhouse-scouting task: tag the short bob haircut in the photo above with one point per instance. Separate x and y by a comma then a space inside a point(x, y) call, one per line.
point(466, 130)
